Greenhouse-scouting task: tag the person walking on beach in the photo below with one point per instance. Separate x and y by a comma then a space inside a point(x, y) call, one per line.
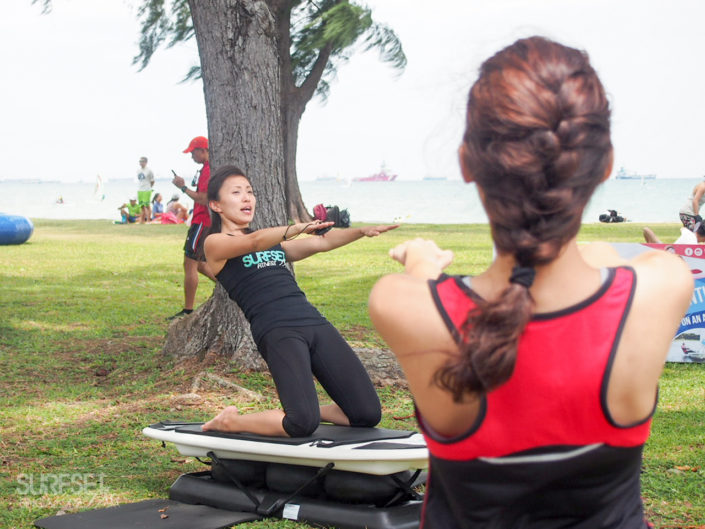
point(535, 381)
point(295, 340)
point(690, 212)
point(194, 259)
point(145, 179)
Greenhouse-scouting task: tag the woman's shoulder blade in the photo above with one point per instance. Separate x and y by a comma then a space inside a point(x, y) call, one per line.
point(664, 276)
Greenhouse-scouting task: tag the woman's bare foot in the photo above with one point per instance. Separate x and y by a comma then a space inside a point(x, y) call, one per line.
point(225, 421)
point(268, 422)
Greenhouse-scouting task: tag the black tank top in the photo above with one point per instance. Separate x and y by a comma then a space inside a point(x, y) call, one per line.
point(264, 288)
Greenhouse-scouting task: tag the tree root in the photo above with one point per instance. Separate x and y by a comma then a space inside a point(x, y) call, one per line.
point(251, 395)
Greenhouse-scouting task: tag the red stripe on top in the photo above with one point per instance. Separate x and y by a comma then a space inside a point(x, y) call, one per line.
point(554, 396)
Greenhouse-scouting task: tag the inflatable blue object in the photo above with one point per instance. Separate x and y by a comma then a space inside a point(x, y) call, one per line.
point(15, 229)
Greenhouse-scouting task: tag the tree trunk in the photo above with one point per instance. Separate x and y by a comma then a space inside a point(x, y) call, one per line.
point(253, 119)
point(293, 100)
point(291, 111)
point(295, 203)
point(237, 45)
point(218, 326)
point(296, 208)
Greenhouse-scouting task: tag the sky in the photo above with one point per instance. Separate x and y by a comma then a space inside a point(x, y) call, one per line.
point(74, 106)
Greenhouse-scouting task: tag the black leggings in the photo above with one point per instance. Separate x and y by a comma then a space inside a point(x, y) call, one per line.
point(294, 353)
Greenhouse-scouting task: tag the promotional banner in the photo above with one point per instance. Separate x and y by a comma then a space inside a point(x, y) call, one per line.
point(689, 342)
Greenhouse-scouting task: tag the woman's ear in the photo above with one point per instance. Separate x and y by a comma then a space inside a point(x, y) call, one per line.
point(213, 204)
point(464, 170)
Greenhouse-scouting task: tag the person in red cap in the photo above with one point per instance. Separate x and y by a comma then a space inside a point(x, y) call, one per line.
point(194, 258)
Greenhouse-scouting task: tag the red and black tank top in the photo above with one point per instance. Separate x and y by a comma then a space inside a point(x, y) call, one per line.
point(544, 451)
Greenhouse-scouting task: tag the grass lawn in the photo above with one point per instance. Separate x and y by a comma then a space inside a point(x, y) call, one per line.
point(83, 307)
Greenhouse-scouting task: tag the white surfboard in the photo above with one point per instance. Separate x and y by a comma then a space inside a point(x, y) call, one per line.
point(367, 450)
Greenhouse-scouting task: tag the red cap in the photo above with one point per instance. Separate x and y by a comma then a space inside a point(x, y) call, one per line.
point(199, 142)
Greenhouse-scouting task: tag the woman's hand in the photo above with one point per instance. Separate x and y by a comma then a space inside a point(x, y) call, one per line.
point(410, 253)
point(373, 231)
point(307, 227)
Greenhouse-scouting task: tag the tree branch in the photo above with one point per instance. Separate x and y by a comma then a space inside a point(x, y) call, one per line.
point(305, 92)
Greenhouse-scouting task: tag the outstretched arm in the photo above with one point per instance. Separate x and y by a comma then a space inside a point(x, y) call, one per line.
point(220, 247)
point(422, 258)
point(403, 311)
point(303, 248)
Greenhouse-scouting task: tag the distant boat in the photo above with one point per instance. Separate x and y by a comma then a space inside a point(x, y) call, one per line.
point(382, 176)
point(623, 175)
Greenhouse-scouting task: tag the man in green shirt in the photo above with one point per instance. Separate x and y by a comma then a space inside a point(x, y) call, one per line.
point(130, 212)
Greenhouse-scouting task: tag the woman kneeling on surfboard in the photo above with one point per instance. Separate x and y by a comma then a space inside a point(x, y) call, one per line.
point(536, 380)
point(294, 339)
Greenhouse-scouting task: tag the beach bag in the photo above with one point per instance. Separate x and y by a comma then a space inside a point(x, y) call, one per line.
point(611, 215)
point(341, 218)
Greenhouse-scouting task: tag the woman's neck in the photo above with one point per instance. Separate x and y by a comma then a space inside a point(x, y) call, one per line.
point(232, 228)
point(563, 282)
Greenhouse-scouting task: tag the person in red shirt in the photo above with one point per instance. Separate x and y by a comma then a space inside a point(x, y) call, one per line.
point(534, 381)
point(194, 258)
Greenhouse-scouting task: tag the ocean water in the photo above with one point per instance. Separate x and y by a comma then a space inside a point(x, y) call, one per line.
point(424, 201)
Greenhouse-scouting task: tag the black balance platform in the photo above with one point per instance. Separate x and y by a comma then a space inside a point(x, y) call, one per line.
point(236, 491)
point(201, 488)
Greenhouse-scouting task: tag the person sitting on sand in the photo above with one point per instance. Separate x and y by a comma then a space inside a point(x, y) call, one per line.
point(176, 208)
point(157, 206)
point(535, 382)
point(295, 340)
point(130, 212)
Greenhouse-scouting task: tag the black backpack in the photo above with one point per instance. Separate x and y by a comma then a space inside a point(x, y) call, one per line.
point(340, 217)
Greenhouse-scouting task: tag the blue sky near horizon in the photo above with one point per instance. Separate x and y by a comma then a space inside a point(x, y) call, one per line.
point(74, 106)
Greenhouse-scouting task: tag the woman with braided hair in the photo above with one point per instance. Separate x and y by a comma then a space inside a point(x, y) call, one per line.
point(536, 380)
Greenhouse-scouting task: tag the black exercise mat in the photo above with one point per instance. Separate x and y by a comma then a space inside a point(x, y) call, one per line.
point(389, 446)
point(146, 515)
point(326, 435)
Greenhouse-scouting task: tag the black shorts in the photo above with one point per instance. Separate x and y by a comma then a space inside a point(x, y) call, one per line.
point(193, 249)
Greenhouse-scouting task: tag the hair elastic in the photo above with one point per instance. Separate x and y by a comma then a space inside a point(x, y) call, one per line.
point(522, 275)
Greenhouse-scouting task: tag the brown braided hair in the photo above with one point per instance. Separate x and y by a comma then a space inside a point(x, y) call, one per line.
point(537, 143)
